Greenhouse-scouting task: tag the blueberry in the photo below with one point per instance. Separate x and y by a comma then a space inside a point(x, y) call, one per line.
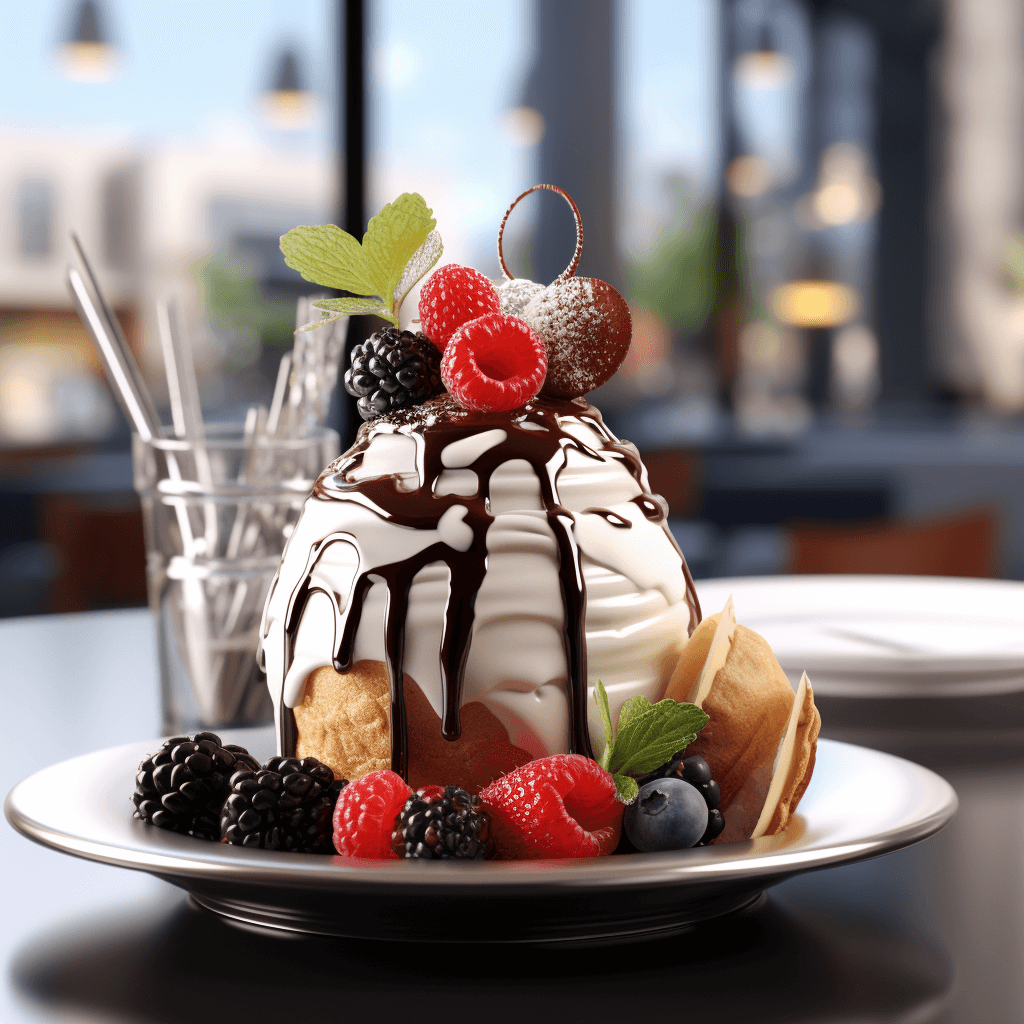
point(669, 814)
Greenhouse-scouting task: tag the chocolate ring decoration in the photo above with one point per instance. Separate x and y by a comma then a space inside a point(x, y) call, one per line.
point(569, 270)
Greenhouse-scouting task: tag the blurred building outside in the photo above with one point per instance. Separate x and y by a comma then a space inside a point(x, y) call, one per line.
point(813, 208)
point(164, 221)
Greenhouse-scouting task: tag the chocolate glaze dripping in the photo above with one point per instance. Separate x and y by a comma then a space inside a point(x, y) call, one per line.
point(546, 450)
point(610, 517)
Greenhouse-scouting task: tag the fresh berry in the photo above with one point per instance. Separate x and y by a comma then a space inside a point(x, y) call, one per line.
point(669, 814)
point(561, 806)
point(364, 816)
point(286, 805)
point(515, 295)
point(392, 370)
point(441, 824)
point(695, 771)
point(182, 787)
point(716, 826)
point(494, 363)
point(452, 296)
point(586, 326)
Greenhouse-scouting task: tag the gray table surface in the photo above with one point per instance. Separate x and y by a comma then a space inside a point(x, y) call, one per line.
point(933, 933)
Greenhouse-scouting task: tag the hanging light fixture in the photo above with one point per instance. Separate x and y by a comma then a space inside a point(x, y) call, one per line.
point(87, 55)
point(764, 67)
point(288, 104)
point(814, 299)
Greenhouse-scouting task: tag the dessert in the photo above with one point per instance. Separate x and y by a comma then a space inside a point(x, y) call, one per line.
point(481, 617)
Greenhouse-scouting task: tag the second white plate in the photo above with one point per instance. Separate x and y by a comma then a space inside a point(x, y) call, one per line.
point(885, 636)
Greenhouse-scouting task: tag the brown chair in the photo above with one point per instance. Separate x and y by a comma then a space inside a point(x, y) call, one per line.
point(962, 545)
point(102, 551)
point(675, 475)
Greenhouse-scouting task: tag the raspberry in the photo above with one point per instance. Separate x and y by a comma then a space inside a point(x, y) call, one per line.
point(493, 363)
point(452, 296)
point(561, 806)
point(364, 816)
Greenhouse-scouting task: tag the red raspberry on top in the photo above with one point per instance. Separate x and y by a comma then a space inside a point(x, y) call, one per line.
point(364, 816)
point(561, 806)
point(493, 363)
point(452, 296)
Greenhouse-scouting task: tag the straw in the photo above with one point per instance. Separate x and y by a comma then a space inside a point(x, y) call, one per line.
point(135, 399)
point(186, 411)
point(122, 371)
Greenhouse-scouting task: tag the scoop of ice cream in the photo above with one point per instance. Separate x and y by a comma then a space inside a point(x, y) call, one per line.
point(507, 558)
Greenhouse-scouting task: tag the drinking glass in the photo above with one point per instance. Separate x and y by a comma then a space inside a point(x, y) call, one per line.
point(217, 515)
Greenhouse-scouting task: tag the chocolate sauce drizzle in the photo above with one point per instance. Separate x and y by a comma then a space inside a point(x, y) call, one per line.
point(533, 434)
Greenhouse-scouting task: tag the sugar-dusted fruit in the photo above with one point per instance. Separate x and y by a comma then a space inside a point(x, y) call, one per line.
point(560, 806)
point(515, 295)
point(494, 363)
point(364, 816)
point(454, 295)
point(586, 326)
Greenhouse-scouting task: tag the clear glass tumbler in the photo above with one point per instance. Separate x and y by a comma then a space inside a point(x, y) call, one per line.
point(216, 518)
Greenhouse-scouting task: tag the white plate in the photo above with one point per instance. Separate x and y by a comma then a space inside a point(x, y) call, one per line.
point(860, 803)
point(861, 636)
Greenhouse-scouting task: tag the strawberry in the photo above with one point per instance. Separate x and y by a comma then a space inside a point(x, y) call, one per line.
point(561, 806)
point(493, 363)
point(364, 816)
point(452, 296)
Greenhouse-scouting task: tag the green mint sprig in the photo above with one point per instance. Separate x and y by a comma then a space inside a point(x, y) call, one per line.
point(647, 736)
point(399, 247)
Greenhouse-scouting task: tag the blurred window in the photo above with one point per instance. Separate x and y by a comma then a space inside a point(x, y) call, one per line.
point(121, 202)
point(35, 217)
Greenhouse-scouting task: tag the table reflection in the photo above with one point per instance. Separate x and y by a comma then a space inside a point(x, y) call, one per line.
point(171, 961)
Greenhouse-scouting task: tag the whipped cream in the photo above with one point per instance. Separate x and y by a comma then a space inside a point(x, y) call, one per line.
point(639, 601)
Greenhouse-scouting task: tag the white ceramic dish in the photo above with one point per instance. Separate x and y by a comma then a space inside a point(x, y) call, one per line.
point(861, 803)
point(885, 636)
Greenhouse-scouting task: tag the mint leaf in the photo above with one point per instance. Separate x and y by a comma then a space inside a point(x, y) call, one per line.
point(419, 263)
point(626, 789)
point(354, 306)
point(399, 247)
point(601, 700)
point(391, 240)
point(633, 708)
point(326, 255)
point(319, 323)
point(649, 736)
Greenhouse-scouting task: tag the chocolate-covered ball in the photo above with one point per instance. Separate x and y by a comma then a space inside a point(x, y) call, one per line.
point(586, 326)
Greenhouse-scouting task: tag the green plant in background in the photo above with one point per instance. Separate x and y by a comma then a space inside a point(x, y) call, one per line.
point(1013, 263)
point(233, 297)
point(677, 278)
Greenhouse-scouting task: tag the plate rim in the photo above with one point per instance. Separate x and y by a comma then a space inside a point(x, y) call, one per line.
point(173, 857)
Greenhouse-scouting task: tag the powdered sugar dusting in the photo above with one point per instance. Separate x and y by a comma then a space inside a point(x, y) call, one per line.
point(586, 326)
point(515, 295)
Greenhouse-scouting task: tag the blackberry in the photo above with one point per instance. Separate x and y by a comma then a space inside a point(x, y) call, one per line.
point(393, 370)
point(695, 771)
point(441, 825)
point(182, 787)
point(286, 805)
